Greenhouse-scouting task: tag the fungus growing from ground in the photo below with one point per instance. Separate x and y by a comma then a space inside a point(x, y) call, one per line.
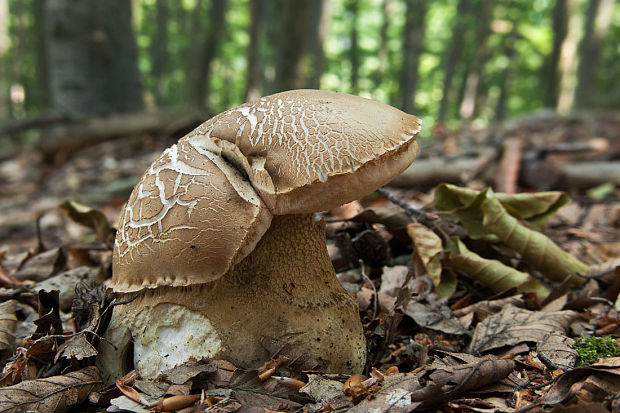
point(220, 241)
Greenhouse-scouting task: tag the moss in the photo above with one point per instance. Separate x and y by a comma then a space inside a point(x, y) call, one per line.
point(591, 349)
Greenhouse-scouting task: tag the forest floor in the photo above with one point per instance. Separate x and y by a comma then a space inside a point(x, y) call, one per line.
point(472, 300)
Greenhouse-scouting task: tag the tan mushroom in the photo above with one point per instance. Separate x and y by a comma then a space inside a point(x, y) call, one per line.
point(220, 240)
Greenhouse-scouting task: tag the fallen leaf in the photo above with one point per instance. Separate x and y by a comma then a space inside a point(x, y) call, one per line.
point(75, 348)
point(437, 317)
point(53, 394)
point(538, 251)
point(325, 391)
point(515, 325)
point(593, 383)
point(89, 217)
point(427, 250)
point(42, 266)
point(8, 322)
point(247, 388)
point(492, 273)
point(181, 374)
point(558, 349)
point(535, 208)
point(433, 386)
point(297, 359)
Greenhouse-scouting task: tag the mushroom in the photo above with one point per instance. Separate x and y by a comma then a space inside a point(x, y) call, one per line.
point(220, 243)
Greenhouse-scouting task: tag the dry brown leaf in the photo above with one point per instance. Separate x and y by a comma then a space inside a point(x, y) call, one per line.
point(181, 374)
point(42, 266)
point(427, 249)
point(586, 384)
point(435, 316)
point(433, 386)
point(558, 349)
point(53, 394)
point(297, 359)
point(484, 308)
point(8, 321)
point(77, 347)
point(515, 325)
point(325, 391)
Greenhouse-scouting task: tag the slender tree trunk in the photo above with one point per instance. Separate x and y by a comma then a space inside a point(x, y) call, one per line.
point(413, 45)
point(4, 47)
point(597, 26)
point(568, 58)
point(296, 27)
point(42, 90)
point(253, 78)
point(507, 73)
point(352, 7)
point(208, 47)
point(92, 57)
point(472, 82)
point(550, 72)
point(320, 23)
point(383, 50)
point(159, 50)
point(452, 58)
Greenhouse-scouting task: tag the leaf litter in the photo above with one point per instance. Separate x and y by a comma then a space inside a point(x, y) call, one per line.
point(470, 300)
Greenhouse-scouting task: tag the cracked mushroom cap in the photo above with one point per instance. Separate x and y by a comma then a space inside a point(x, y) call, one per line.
point(206, 202)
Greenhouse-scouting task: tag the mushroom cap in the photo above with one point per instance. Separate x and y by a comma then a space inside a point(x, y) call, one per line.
point(206, 202)
point(313, 150)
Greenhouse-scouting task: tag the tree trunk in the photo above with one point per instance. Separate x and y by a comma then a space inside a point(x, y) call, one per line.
point(352, 7)
point(159, 49)
point(507, 73)
point(42, 67)
point(320, 23)
point(205, 50)
point(452, 58)
point(472, 82)
point(597, 26)
point(92, 57)
point(296, 28)
point(567, 65)
point(550, 70)
point(383, 52)
point(4, 46)
point(413, 45)
point(253, 80)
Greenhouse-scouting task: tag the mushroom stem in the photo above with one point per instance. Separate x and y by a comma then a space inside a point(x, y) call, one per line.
point(286, 288)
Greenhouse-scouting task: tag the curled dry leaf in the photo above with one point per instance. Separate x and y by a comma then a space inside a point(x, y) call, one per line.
point(508, 218)
point(89, 217)
point(8, 321)
point(53, 394)
point(492, 273)
point(427, 251)
point(534, 208)
point(538, 251)
point(515, 325)
point(597, 382)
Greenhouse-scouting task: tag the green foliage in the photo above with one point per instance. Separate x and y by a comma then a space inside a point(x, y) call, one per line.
point(591, 349)
point(378, 78)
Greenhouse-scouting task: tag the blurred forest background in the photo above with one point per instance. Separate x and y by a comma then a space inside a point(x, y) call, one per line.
point(449, 61)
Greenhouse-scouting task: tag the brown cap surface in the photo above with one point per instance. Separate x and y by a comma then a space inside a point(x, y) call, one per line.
point(312, 150)
point(188, 221)
point(195, 214)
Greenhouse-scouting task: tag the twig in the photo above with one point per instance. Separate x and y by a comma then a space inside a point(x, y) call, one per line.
point(415, 212)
